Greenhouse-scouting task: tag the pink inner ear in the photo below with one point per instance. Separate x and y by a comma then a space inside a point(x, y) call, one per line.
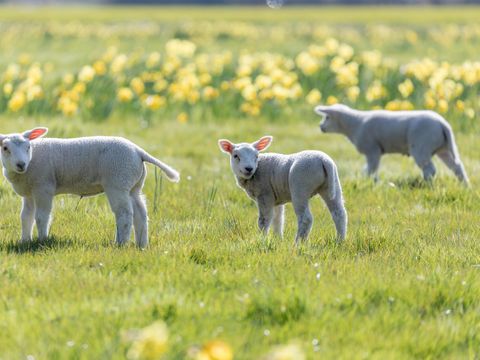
point(226, 146)
point(263, 143)
point(35, 133)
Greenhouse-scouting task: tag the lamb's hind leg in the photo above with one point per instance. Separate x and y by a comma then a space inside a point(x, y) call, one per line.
point(304, 218)
point(454, 164)
point(338, 213)
point(121, 205)
point(140, 215)
point(27, 216)
point(424, 162)
point(140, 219)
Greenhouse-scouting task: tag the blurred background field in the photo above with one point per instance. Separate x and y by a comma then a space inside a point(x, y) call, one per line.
point(199, 64)
point(174, 80)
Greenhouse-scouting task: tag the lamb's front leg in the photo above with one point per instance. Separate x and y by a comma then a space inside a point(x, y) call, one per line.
point(265, 214)
point(373, 162)
point(43, 208)
point(27, 216)
point(278, 219)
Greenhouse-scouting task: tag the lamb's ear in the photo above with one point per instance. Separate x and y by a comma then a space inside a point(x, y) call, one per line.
point(35, 133)
point(226, 146)
point(263, 143)
point(322, 110)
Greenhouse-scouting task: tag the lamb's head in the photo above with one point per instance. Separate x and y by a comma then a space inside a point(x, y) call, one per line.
point(332, 116)
point(244, 156)
point(16, 151)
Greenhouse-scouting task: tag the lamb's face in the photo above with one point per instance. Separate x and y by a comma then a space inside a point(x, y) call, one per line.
point(16, 150)
point(329, 124)
point(331, 118)
point(16, 153)
point(244, 160)
point(244, 156)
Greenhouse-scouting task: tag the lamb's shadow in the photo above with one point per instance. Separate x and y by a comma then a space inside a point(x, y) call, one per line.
point(412, 183)
point(52, 243)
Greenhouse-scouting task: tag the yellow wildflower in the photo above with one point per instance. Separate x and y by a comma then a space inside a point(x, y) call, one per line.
point(210, 93)
point(17, 101)
point(99, 67)
point(155, 102)
point(352, 93)
point(137, 85)
point(442, 106)
point(314, 97)
point(34, 92)
point(7, 89)
point(249, 93)
point(153, 60)
point(470, 113)
point(406, 88)
point(68, 79)
point(376, 91)
point(124, 94)
point(79, 87)
point(182, 117)
point(460, 105)
point(215, 350)
point(150, 344)
point(86, 74)
point(331, 100)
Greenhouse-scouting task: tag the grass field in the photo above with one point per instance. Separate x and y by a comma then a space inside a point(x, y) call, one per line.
point(405, 283)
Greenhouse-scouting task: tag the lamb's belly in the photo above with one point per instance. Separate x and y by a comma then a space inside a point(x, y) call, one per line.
point(283, 198)
point(390, 148)
point(81, 189)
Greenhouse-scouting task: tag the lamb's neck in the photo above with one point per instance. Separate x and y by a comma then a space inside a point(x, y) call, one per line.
point(351, 124)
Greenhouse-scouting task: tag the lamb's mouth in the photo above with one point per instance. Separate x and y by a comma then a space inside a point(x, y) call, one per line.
point(247, 175)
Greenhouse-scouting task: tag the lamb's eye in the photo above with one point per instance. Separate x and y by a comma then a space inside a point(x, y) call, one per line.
point(236, 157)
point(5, 148)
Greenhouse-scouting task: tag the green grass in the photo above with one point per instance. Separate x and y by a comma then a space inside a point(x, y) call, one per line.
point(404, 284)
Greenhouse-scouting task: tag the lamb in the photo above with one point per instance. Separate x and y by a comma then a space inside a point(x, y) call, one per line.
point(272, 180)
point(38, 169)
point(420, 134)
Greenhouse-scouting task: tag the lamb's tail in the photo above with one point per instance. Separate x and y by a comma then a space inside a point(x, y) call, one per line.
point(172, 174)
point(333, 182)
point(450, 140)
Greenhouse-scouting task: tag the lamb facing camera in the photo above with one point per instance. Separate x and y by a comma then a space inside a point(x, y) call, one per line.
point(273, 180)
point(39, 169)
point(420, 134)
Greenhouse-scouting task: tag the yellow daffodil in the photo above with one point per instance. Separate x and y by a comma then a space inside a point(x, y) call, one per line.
point(150, 343)
point(314, 97)
point(124, 94)
point(17, 101)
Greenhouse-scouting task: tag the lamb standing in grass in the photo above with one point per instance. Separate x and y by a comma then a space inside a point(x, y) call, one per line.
point(275, 179)
point(39, 169)
point(420, 134)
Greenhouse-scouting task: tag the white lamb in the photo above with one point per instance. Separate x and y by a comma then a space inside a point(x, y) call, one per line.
point(39, 169)
point(272, 180)
point(420, 134)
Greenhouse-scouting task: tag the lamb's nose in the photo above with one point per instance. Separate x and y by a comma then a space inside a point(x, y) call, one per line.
point(21, 165)
point(248, 169)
